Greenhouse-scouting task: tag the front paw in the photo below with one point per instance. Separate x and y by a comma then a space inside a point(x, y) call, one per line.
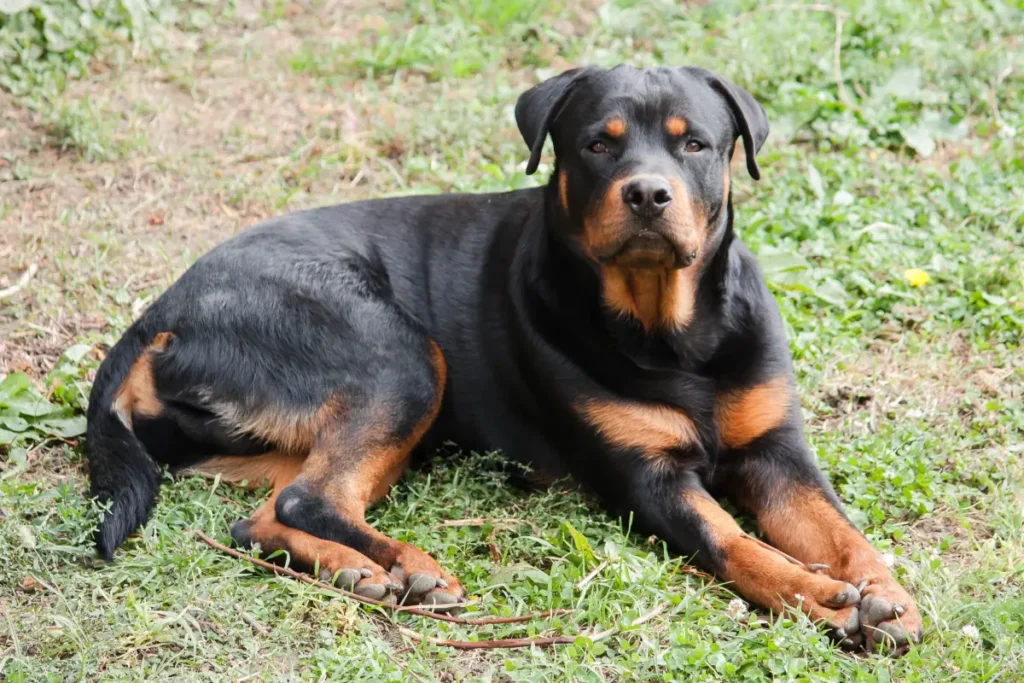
point(890, 621)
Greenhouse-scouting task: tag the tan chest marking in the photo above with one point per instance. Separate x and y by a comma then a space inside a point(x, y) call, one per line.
point(657, 298)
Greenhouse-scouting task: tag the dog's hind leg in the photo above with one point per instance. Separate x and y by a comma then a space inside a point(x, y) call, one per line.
point(336, 563)
point(360, 451)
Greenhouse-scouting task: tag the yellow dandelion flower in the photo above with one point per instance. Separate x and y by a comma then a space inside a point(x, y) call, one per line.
point(917, 277)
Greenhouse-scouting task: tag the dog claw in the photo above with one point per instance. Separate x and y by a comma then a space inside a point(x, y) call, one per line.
point(852, 642)
point(420, 583)
point(818, 568)
point(849, 596)
point(373, 591)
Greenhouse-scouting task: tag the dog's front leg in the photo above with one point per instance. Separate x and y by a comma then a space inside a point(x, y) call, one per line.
point(776, 479)
point(682, 512)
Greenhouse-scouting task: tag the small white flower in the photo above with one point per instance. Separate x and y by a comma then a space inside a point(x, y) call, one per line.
point(736, 610)
point(971, 632)
point(798, 596)
point(888, 559)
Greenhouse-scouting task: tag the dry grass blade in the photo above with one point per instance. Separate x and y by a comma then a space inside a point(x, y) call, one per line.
point(20, 284)
point(511, 643)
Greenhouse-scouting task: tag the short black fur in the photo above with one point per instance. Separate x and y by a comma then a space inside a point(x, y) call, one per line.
point(343, 300)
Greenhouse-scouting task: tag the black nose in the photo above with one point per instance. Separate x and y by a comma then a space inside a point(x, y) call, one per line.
point(647, 196)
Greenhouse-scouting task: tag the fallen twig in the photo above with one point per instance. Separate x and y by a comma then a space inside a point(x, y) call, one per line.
point(418, 611)
point(482, 521)
point(693, 571)
point(509, 643)
point(837, 45)
point(590, 577)
point(20, 284)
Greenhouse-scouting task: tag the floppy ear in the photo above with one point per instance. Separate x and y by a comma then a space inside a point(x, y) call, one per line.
point(751, 121)
point(538, 107)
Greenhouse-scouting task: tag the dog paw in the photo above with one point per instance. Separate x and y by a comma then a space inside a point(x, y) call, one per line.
point(889, 620)
point(425, 583)
point(369, 581)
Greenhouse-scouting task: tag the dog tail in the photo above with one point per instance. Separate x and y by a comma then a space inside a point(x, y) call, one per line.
point(121, 472)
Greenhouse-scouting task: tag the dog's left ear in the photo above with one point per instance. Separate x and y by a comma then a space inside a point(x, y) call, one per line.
point(538, 107)
point(751, 121)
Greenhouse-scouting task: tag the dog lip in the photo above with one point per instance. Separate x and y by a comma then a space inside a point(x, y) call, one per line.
point(645, 249)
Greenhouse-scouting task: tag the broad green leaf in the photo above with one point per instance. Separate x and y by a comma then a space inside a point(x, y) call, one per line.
point(18, 456)
point(579, 541)
point(815, 182)
point(64, 427)
point(14, 423)
point(509, 574)
point(14, 384)
point(832, 291)
point(77, 352)
point(919, 139)
point(31, 406)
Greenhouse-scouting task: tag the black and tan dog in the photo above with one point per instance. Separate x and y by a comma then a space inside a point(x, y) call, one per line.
point(608, 326)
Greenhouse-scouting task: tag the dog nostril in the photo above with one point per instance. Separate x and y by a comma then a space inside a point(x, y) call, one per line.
point(635, 197)
point(662, 197)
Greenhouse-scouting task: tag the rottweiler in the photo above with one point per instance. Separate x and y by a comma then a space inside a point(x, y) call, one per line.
point(609, 327)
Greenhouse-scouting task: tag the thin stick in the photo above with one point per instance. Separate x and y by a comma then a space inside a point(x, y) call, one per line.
point(590, 577)
point(837, 65)
point(20, 284)
point(418, 611)
point(509, 643)
point(837, 45)
point(811, 7)
point(481, 521)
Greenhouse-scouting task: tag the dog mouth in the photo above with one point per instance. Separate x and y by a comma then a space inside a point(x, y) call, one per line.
point(649, 249)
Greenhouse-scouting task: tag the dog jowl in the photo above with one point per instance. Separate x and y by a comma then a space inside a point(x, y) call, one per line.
point(609, 326)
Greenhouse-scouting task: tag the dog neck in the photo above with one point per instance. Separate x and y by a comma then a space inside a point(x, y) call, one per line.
point(656, 303)
point(560, 294)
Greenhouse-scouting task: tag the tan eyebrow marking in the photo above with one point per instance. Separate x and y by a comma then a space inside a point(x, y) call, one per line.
point(615, 127)
point(675, 125)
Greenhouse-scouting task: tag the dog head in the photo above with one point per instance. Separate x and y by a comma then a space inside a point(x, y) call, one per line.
point(642, 158)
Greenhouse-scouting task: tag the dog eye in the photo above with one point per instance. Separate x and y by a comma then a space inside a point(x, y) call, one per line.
point(598, 147)
point(694, 146)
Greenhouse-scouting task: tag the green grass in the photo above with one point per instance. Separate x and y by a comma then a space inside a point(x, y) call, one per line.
point(165, 142)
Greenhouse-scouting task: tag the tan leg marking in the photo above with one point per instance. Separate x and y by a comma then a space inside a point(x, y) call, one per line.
point(811, 529)
point(137, 394)
point(765, 576)
point(350, 484)
point(652, 429)
point(747, 414)
point(354, 570)
point(274, 469)
point(563, 189)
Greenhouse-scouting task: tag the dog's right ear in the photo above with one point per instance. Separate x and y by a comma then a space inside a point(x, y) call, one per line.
point(538, 107)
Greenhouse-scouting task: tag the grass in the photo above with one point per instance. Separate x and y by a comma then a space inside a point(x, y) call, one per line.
point(123, 161)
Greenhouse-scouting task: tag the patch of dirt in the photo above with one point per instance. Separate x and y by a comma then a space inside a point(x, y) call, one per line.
point(891, 381)
point(210, 143)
